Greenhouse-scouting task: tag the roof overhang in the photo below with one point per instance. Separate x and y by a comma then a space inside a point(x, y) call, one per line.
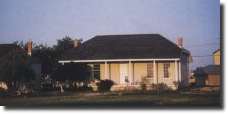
point(116, 60)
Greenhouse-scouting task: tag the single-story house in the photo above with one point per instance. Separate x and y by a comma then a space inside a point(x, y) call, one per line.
point(5, 49)
point(130, 59)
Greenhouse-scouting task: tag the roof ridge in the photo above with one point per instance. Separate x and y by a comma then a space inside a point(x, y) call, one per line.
point(137, 34)
point(8, 44)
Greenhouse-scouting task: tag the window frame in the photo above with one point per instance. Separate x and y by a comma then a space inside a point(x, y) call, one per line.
point(96, 71)
point(166, 70)
point(150, 70)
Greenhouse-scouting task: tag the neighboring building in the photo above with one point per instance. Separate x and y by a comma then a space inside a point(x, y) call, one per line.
point(209, 75)
point(5, 49)
point(216, 57)
point(212, 73)
point(128, 59)
point(35, 64)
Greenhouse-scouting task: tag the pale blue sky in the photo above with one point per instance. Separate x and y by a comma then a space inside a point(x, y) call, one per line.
point(44, 21)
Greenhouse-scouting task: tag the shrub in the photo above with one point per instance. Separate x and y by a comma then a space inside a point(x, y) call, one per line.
point(180, 87)
point(85, 88)
point(162, 86)
point(177, 84)
point(144, 83)
point(48, 87)
point(3, 92)
point(105, 85)
point(143, 86)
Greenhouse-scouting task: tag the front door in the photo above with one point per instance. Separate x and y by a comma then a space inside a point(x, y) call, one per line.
point(124, 78)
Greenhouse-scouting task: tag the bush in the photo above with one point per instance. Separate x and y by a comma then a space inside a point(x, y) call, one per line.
point(181, 87)
point(48, 87)
point(105, 85)
point(3, 92)
point(177, 84)
point(84, 88)
point(162, 87)
point(143, 86)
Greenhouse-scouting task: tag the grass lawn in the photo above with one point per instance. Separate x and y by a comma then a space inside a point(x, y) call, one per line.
point(116, 100)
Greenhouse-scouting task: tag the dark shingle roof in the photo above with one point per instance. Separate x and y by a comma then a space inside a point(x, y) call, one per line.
point(216, 51)
point(212, 69)
point(6, 48)
point(137, 46)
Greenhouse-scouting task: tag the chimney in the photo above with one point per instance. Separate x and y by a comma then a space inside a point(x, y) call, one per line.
point(29, 48)
point(77, 43)
point(179, 42)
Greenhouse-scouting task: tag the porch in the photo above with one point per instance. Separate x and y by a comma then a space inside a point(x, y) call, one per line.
point(131, 72)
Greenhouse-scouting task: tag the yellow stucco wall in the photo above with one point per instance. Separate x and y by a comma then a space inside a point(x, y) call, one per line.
point(140, 71)
point(216, 57)
point(102, 71)
point(167, 80)
point(115, 73)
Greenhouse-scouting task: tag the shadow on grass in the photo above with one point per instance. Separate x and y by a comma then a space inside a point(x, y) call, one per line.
point(116, 101)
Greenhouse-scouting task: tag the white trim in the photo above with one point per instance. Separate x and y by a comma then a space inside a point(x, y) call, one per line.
point(133, 73)
point(109, 71)
point(155, 72)
point(130, 72)
point(117, 60)
point(106, 71)
point(124, 72)
point(180, 72)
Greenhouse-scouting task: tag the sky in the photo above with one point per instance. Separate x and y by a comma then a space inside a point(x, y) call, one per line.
point(45, 21)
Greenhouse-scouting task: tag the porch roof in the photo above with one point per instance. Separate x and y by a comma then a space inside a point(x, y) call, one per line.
point(118, 60)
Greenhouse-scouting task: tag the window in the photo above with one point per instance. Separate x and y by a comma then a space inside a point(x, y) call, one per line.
point(166, 70)
point(150, 70)
point(96, 71)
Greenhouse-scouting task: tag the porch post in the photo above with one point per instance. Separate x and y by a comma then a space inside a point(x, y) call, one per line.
point(106, 70)
point(129, 72)
point(180, 71)
point(109, 71)
point(133, 73)
point(176, 72)
point(155, 72)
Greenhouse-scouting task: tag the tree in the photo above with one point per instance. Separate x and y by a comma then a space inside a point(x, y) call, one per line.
point(64, 44)
point(20, 44)
point(47, 56)
point(73, 72)
point(16, 67)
